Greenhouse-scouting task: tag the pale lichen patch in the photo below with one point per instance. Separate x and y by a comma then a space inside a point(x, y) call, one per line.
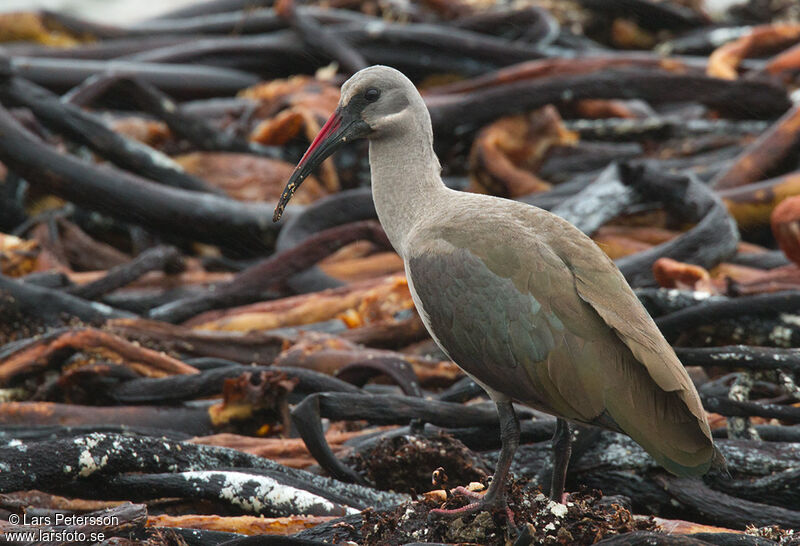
point(88, 464)
point(790, 319)
point(781, 336)
point(86, 461)
point(557, 509)
point(18, 444)
point(258, 493)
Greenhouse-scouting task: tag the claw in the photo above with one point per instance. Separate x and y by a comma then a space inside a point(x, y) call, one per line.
point(461, 490)
point(483, 503)
point(472, 508)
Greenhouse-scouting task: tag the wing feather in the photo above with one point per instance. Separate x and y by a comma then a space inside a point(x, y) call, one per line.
point(600, 284)
point(547, 319)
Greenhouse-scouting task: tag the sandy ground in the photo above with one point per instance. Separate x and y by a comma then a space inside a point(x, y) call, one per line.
point(112, 11)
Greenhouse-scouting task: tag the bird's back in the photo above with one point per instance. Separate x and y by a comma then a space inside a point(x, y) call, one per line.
point(531, 307)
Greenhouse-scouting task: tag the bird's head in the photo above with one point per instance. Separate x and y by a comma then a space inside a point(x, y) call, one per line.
point(375, 102)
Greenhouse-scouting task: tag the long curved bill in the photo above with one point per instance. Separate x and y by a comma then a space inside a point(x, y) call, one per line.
point(337, 130)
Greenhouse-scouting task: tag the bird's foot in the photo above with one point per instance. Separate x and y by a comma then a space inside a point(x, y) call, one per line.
point(563, 498)
point(481, 503)
point(461, 490)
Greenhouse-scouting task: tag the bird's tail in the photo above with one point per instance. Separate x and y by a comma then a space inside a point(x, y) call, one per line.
point(719, 464)
point(661, 423)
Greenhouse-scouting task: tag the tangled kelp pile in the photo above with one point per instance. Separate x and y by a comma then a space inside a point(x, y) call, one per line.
point(182, 370)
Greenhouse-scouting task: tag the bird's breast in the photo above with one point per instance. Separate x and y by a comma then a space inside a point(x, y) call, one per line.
point(423, 314)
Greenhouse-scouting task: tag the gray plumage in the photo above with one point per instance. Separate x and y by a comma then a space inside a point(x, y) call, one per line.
point(520, 299)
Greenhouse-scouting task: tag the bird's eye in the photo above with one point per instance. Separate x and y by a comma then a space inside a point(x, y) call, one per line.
point(372, 94)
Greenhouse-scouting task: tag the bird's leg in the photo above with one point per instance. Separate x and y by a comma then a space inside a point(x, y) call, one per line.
point(562, 448)
point(509, 438)
point(494, 498)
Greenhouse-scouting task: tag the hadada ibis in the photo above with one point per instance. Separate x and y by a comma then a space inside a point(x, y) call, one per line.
point(525, 303)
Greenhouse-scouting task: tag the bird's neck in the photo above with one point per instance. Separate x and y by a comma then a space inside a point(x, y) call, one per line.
point(406, 184)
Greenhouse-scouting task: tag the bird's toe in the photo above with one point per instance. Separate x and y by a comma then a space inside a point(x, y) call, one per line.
point(481, 503)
